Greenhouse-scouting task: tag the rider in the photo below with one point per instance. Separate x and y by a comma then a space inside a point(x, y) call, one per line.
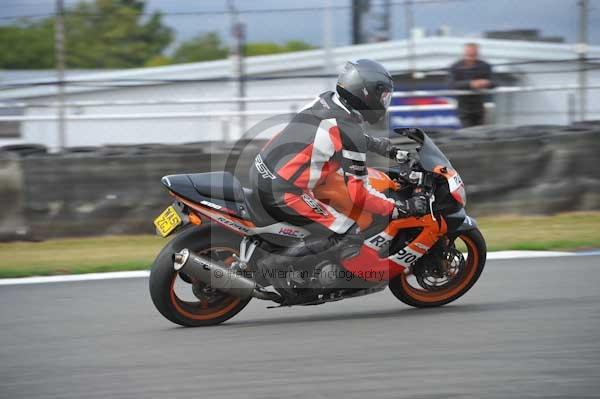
point(326, 135)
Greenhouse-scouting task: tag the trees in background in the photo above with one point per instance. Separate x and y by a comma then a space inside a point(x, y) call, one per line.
point(208, 46)
point(100, 34)
point(205, 47)
point(263, 48)
point(114, 34)
point(27, 45)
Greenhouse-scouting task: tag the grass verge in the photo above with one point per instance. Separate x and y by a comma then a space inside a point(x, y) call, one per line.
point(78, 255)
point(563, 232)
point(569, 231)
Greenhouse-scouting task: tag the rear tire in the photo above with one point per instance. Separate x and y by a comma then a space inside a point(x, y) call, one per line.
point(163, 276)
point(421, 298)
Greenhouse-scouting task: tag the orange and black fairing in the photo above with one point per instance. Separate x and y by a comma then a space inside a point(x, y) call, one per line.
point(368, 265)
point(455, 183)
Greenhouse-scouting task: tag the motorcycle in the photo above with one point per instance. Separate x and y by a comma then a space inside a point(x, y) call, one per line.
point(212, 268)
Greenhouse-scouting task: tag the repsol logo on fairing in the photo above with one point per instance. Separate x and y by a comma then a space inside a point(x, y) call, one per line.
point(378, 241)
point(233, 224)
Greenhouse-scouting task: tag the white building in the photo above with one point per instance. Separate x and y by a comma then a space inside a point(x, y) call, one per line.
point(526, 64)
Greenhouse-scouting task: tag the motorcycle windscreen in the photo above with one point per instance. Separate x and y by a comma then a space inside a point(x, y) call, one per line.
point(434, 160)
point(431, 156)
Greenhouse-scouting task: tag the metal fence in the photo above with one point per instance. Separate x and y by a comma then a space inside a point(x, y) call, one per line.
point(21, 112)
point(249, 100)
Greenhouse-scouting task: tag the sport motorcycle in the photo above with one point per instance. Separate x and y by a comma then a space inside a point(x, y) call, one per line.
point(213, 266)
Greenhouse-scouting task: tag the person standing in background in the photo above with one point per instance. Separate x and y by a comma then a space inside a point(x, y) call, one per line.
point(471, 73)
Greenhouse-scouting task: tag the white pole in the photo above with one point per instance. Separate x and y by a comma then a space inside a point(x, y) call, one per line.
point(410, 43)
point(328, 41)
point(582, 49)
point(237, 58)
point(59, 53)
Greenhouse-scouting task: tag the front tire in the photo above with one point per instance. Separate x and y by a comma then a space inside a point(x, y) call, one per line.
point(426, 298)
point(206, 240)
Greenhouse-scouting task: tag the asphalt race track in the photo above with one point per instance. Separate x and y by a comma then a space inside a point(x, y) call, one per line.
point(529, 328)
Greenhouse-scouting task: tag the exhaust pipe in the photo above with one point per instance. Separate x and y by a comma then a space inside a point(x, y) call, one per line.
point(199, 268)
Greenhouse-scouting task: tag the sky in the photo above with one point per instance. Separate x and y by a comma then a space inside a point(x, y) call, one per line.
point(465, 18)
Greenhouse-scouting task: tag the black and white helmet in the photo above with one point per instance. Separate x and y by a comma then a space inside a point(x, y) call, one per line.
point(366, 86)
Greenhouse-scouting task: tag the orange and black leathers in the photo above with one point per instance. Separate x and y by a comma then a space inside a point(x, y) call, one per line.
point(322, 138)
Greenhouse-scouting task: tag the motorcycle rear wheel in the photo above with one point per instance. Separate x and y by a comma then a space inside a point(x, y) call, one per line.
point(166, 285)
point(424, 298)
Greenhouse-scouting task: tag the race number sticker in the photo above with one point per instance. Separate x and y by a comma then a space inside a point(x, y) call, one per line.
point(454, 182)
point(406, 257)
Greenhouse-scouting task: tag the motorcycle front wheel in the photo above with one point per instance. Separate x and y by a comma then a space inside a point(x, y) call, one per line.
point(440, 284)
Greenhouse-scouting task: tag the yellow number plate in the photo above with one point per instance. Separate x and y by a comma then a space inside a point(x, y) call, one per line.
point(167, 221)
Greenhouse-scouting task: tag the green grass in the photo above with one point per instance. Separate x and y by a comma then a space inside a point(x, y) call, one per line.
point(569, 231)
point(79, 255)
point(563, 232)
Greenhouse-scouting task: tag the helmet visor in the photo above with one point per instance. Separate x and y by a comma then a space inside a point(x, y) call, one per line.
point(386, 99)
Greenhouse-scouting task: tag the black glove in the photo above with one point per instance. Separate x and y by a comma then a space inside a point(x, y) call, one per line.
point(414, 206)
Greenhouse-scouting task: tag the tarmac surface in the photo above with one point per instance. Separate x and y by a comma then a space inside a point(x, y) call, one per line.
point(529, 328)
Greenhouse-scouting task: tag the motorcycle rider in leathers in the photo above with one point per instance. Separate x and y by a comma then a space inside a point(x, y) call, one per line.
point(327, 136)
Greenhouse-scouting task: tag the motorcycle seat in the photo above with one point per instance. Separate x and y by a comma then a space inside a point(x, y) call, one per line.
point(222, 186)
point(218, 185)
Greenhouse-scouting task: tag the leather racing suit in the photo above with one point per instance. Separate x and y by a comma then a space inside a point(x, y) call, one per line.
point(323, 138)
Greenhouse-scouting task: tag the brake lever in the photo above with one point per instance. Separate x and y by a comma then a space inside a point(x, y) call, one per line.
point(431, 201)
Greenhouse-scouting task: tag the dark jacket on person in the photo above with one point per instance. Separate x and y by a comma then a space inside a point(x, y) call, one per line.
point(460, 76)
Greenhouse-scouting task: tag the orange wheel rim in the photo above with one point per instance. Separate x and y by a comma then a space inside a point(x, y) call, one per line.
point(199, 310)
point(444, 294)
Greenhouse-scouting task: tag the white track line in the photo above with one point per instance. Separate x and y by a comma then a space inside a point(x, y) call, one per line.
point(526, 254)
point(74, 277)
point(145, 273)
